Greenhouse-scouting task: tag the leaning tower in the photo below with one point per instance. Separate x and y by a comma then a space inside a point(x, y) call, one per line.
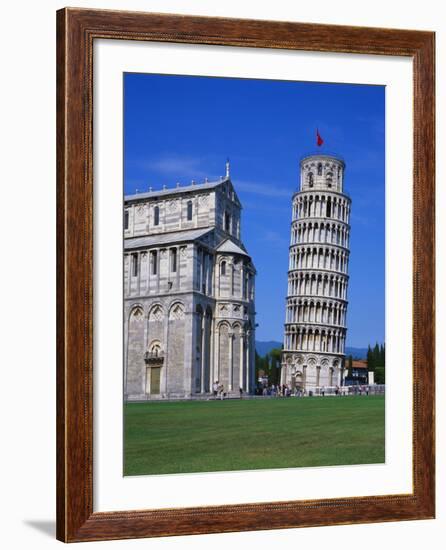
point(316, 303)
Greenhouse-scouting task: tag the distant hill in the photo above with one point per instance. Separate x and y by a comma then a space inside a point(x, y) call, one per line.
point(263, 348)
point(358, 353)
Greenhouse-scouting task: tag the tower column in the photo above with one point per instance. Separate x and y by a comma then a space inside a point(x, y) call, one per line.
point(212, 354)
point(242, 358)
point(231, 353)
point(203, 352)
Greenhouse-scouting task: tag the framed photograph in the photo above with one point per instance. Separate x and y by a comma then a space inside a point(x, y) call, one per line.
point(245, 275)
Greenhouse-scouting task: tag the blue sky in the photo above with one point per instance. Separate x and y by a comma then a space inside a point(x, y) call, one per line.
point(179, 128)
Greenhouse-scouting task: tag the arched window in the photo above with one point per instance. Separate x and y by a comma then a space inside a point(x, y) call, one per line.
point(310, 179)
point(245, 285)
point(237, 228)
point(156, 314)
point(189, 210)
point(173, 260)
point(328, 208)
point(223, 268)
point(156, 215)
point(319, 169)
point(227, 222)
point(136, 314)
point(135, 264)
point(176, 312)
point(154, 262)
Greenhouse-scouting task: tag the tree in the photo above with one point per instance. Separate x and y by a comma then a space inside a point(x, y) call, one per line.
point(380, 375)
point(380, 369)
point(258, 366)
point(350, 366)
point(270, 365)
point(370, 360)
point(275, 366)
point(376, 362)
point(266, 366)
point(376, 355)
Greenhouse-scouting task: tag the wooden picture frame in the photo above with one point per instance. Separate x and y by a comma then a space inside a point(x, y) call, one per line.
point(76, 31)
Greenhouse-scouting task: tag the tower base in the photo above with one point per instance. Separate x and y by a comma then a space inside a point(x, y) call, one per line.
point(311, 371)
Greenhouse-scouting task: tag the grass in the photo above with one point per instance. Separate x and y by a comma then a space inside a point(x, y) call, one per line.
point(204, 436)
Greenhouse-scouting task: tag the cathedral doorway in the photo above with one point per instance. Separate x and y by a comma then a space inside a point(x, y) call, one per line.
point(154, 359)
point(153, 380)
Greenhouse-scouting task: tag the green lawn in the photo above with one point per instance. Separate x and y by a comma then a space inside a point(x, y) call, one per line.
point(203, 436)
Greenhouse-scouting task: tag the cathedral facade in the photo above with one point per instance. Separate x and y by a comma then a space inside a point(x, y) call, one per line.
point(316, 304)
point(189, 290)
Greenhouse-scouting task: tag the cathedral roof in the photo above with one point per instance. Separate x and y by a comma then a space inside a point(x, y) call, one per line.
point(166, 238)
point(230, 247)
point(196, 187)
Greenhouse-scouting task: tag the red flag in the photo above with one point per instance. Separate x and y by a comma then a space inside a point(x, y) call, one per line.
point(319, 140)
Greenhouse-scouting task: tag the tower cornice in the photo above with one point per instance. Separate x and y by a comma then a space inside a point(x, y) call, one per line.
point(321, 155)
point(319, 190)
point(316, 244)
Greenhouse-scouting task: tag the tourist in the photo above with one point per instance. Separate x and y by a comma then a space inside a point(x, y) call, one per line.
point(215, 389)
